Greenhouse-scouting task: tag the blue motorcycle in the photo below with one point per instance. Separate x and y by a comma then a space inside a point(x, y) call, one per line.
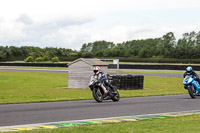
point(191, 85)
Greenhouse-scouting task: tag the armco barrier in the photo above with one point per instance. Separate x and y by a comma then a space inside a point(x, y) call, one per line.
point(35, 64)
point(128, 82)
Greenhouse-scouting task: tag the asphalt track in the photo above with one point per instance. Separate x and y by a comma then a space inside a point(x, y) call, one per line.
point(18, 114)
point(66, 71)
point(30, 113)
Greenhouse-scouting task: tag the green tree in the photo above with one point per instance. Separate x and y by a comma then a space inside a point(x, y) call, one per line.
point(2, 55)
point(167, 45)
point(187, 47)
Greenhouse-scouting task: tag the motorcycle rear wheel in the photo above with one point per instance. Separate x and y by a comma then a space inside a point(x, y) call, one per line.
point(98, 96)
point(192, 91)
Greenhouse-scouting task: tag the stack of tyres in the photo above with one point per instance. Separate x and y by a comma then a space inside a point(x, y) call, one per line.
point(141, 84)
point(122, 83)
point(128, 82)
point(115, 81)
point(137, 81)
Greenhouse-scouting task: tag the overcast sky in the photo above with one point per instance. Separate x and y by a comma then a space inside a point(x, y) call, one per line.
point(71, 23)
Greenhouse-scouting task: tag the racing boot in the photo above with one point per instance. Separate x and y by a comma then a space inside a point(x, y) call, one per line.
point(110, 94)
point(112, 89)
point(197, 91)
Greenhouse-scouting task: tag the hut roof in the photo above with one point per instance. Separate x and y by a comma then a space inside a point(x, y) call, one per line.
point(90, 61)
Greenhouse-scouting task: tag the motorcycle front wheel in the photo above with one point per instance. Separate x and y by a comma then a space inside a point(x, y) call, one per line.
point(98, 96)
point(192, 91)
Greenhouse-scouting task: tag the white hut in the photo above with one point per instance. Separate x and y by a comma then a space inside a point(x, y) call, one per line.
point(81, 70)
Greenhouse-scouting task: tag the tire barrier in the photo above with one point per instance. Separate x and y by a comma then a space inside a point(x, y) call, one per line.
point(35, 64)
point(110, 66)
point(128, 82)
point(153, 67)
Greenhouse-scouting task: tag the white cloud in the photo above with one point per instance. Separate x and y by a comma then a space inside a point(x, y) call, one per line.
point(45, 33)
point(69, 24)
point(25, 19)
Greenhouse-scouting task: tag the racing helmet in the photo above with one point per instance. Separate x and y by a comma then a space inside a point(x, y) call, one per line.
point(96, 70)
point(189, 69)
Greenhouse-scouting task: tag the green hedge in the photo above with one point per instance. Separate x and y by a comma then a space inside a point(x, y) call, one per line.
point(136, 59)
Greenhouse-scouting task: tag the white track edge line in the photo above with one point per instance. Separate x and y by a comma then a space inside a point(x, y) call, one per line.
point(94, 119)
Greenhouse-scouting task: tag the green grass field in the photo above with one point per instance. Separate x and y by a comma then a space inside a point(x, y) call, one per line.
point(23, 87)
point(49, 68)
point(148, 71)
point(109, 70)
point(183, 124)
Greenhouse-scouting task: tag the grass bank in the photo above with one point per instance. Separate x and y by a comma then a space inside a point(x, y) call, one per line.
point(49, 68)
point(148, 71)
point(109, 70)
point(183, 124)
point(23, 87)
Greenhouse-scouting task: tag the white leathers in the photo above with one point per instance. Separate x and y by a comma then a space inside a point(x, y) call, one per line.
point(97, 77)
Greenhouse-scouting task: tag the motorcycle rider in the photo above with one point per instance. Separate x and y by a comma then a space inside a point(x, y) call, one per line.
point(189, 71)
point(98, 75)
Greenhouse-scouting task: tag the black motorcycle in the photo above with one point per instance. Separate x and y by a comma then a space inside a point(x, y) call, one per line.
point(99, 94)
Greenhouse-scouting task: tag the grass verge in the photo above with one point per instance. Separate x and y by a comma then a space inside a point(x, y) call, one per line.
point(24, 87)
point(148, 71)
point(49, 68)
point(109, 70)
point(183, 124)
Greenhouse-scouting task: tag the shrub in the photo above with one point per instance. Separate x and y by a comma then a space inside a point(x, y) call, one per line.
point(46, 58)
point(55, 59)
point(39, 59)
point(29, 59)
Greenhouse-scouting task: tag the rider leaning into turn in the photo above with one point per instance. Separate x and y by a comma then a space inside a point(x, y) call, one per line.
point(100, 75)
point(189, 71)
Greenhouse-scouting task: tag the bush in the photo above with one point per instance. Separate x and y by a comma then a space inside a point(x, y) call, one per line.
point(39, 59)
point(55, 59)
point(29, 59)
point(46, 58)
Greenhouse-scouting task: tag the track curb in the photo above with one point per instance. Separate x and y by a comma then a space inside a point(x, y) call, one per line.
point(53, 125)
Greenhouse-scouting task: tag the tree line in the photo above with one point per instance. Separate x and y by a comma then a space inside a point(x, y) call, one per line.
point(187, 47)
point(31, 53)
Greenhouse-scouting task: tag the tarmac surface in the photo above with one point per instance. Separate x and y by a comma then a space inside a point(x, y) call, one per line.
point(31, 113)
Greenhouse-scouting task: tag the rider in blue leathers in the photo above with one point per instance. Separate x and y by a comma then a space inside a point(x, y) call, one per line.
point(189, 71)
